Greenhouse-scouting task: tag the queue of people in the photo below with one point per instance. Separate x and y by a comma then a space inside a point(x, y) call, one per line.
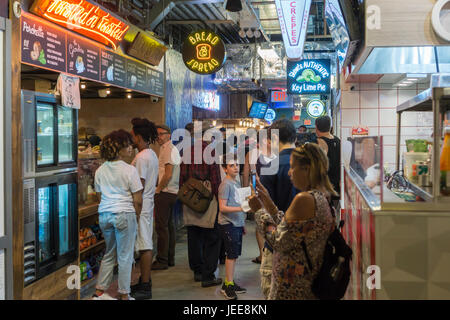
point(291, 207)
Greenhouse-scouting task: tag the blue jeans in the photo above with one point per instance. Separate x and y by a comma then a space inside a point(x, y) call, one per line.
point(119, 231)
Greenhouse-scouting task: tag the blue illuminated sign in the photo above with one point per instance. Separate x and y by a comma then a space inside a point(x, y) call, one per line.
point(309, 76)
point(270, 115)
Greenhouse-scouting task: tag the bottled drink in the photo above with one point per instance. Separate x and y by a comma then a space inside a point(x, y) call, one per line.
point(445, 164)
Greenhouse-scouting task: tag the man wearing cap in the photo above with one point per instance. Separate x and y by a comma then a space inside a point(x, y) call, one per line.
point(165, 197)
point(203, 233)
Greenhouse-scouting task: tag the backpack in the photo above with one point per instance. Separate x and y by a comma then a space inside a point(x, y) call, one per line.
point(334, 274)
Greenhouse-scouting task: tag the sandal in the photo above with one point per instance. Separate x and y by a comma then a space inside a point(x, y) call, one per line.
point(257, 260)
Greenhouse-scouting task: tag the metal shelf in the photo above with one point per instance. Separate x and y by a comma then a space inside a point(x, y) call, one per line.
point(92, 247)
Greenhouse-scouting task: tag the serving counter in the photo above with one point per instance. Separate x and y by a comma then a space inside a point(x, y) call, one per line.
point(396, 227)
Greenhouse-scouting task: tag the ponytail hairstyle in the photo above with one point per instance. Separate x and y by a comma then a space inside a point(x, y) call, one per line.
point(310, 154)
point(113, 143)
point(146, 129)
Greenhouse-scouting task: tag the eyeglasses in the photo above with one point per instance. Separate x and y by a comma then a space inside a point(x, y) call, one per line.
point(162, 133)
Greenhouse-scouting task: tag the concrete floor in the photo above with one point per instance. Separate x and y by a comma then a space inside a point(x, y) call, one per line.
point(177, 283)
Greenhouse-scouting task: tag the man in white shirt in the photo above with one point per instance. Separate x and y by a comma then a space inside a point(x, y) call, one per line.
point(146, 162)
point(166, 195)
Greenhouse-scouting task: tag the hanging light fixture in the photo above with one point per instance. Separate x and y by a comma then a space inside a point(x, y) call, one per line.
point(242, 33)
point(214, 123)
point(240, 123)
point(83, 85)
point(233, 5)
point(249, 33)
point(129, 95)
point(257, 33)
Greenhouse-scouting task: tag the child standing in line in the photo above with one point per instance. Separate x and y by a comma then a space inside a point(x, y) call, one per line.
point(231, 224)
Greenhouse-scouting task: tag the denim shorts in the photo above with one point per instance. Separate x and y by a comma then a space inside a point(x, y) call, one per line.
point(232, 239)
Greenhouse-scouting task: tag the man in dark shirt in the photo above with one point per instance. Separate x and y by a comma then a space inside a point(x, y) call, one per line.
point(279, 185)
point(203, 243)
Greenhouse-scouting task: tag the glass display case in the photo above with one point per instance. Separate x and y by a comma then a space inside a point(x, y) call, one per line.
point(49, 133)
point(86, 174)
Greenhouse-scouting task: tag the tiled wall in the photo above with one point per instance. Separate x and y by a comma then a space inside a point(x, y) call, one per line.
point(374, 105)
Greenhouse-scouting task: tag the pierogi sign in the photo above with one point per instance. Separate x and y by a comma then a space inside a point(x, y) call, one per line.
point(293, 16)
point(440, 19)
point(83, 17)
point(203, 52)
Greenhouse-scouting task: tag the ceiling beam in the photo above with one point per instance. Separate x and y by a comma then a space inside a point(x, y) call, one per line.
point(158, 13)
point(199, 22)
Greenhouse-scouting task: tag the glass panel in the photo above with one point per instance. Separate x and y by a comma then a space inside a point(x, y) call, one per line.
point(2, 274)
point(444, 59)
point(65, 134)
point(45, 129)
point(45, 251)
point(63, 217)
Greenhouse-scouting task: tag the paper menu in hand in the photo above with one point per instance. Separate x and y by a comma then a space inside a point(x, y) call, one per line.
point(243, 194)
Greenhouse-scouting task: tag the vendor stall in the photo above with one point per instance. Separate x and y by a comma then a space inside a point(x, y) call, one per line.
point(398, 225)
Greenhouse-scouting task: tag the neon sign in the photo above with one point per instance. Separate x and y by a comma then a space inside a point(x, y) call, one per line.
point(82, 17)
point(293, 16)
point(309, 76)
point(203, 52)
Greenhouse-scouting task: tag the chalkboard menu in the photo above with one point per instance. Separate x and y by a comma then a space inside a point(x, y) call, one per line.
point(136, 75)
point(47, 47)
point(155, 82)
point(83, 58)
point(43, 46)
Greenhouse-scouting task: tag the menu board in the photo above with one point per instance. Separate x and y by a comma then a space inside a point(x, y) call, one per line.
point(83, 58)
point(53, 48)
point(136, 76)
point(113, 68)
point(155, 82)
point(258, 110)
point(43, 46)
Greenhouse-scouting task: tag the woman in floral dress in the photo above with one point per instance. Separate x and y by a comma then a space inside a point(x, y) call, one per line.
point(308, 219)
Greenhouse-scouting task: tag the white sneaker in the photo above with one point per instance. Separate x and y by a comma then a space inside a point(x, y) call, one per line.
point(104, 296)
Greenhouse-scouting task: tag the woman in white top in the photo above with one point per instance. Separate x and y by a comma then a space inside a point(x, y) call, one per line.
point(119, 190)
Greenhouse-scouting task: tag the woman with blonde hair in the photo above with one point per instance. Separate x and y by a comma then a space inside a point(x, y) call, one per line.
point(119, 190)
point(307, 220)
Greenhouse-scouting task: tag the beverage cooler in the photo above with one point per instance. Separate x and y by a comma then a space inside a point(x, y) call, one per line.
point(49, 133)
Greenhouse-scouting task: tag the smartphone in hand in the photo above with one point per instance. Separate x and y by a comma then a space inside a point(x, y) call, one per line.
point(253, 177)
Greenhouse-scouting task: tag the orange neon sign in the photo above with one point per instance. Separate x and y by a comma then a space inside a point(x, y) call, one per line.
point(83, 17)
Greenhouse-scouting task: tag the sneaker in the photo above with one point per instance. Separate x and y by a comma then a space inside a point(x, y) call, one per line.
point(159, 266)
point(228, 292)
point(129, 298)
point(104, 296)
point(136, 286)
point(211, 283)
point(144, 292)
point(239, 289)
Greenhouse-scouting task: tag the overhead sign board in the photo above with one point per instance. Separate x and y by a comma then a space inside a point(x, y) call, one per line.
point(82, 17)
point(203, 52)
point(293, 16)
point(147, 49)
point(309, 76)
point(51, 47)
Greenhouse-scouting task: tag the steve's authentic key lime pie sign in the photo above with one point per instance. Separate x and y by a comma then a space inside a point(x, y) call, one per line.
point(309, 76)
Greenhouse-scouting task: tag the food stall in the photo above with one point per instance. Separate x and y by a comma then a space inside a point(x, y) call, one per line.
point(398, 225)
point(70, 79)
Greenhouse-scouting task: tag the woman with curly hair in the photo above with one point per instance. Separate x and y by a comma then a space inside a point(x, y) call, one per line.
point(308, 220)
point(119, 190)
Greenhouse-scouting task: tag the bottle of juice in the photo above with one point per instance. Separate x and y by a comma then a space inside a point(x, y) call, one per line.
point(445, 164)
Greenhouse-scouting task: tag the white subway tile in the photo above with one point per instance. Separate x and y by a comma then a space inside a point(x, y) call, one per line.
point(389, 131)
point(388, 117)
point(369, 99)
point(388, 154)
point(409, 119)
point(389, 139)
point(369, 117)
point(350, 117)
point(388, 99)
point(350, 99)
